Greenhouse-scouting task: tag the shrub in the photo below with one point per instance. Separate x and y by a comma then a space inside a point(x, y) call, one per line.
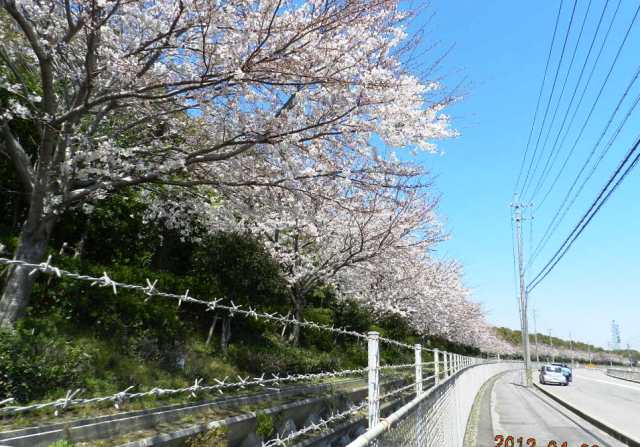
point(281, 358)
point(264, 425)
point(31, 365)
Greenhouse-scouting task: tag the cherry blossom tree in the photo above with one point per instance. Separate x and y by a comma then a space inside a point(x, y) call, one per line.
point(203, 96)
point(322, 236)
point(430, 294)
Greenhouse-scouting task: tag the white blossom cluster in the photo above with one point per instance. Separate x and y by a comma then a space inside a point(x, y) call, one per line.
point(226, 93)
point(292, 121)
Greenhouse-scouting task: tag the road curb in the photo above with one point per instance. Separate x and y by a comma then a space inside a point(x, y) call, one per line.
point(483, 399)
point(621, 378)
point(613, 432)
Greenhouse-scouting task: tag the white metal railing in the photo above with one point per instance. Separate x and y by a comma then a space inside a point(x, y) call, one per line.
point(438, 414)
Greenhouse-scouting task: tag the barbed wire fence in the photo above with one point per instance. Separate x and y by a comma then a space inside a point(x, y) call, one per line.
point(431, 374)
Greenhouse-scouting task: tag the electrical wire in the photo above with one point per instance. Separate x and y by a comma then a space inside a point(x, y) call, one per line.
point(525, 184)
point(553, 225)
point(605, 150)
point(601, 199)
point(582, 96)
point(575, 90)
point(557, 106)
point(544, 78)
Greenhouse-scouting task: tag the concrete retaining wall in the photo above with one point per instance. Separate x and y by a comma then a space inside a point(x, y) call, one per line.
point(240, 430)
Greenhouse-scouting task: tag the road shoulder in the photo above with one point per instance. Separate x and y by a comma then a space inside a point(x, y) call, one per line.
point(479, 425)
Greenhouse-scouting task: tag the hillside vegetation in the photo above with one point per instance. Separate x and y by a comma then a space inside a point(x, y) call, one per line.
point(563, 349)
point(77, 336)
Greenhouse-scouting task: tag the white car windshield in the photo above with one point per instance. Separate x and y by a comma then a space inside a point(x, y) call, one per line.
point(555, 369)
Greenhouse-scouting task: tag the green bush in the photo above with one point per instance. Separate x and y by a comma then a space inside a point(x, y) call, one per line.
point(281, 358)
point(32, 365)
point(319, 339)
point(264, 425)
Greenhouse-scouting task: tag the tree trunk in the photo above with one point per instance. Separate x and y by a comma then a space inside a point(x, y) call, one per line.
point(211, 329)
point(226, 335)
point(32, 247)
point(298, 312)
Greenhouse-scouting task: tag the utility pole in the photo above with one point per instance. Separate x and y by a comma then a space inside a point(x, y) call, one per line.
point(571, 344)
point(535, 330)
point(523, 294)
point(553, 357)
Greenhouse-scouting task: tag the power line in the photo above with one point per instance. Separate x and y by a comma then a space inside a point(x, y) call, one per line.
point(606, 149)
point(546, 110)
point(595, 207)
point(544, 78)
point(575, 90)
point(582, 96)
point(557, 106)
point(555, 221)
point(592, 153)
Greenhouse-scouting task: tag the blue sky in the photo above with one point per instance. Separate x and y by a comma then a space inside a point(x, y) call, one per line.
point(501, 48)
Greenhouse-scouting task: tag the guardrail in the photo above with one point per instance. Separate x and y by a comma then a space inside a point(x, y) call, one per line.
point(632, 375)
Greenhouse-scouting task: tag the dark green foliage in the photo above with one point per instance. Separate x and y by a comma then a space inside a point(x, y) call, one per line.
point(125, 318)
point(78, 336)
point(115, 232)
point(34, 364)
point(264, 425)
point(282, 358)
point(243, 271)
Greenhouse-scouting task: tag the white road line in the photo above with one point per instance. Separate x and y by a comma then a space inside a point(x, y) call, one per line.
point(612, 383)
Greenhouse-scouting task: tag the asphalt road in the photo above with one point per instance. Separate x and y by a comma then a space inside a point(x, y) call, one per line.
point(521, 412)
point(615, 402)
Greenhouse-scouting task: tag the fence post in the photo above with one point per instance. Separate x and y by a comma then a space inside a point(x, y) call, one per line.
point(374, 379)
point(418, 351)
point(436, 365)
point(446, 363)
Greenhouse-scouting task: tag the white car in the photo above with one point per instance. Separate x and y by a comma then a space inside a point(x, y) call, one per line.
point(552, 374)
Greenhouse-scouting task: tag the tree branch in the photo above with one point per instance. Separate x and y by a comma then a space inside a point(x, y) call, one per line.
point(19, 157)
